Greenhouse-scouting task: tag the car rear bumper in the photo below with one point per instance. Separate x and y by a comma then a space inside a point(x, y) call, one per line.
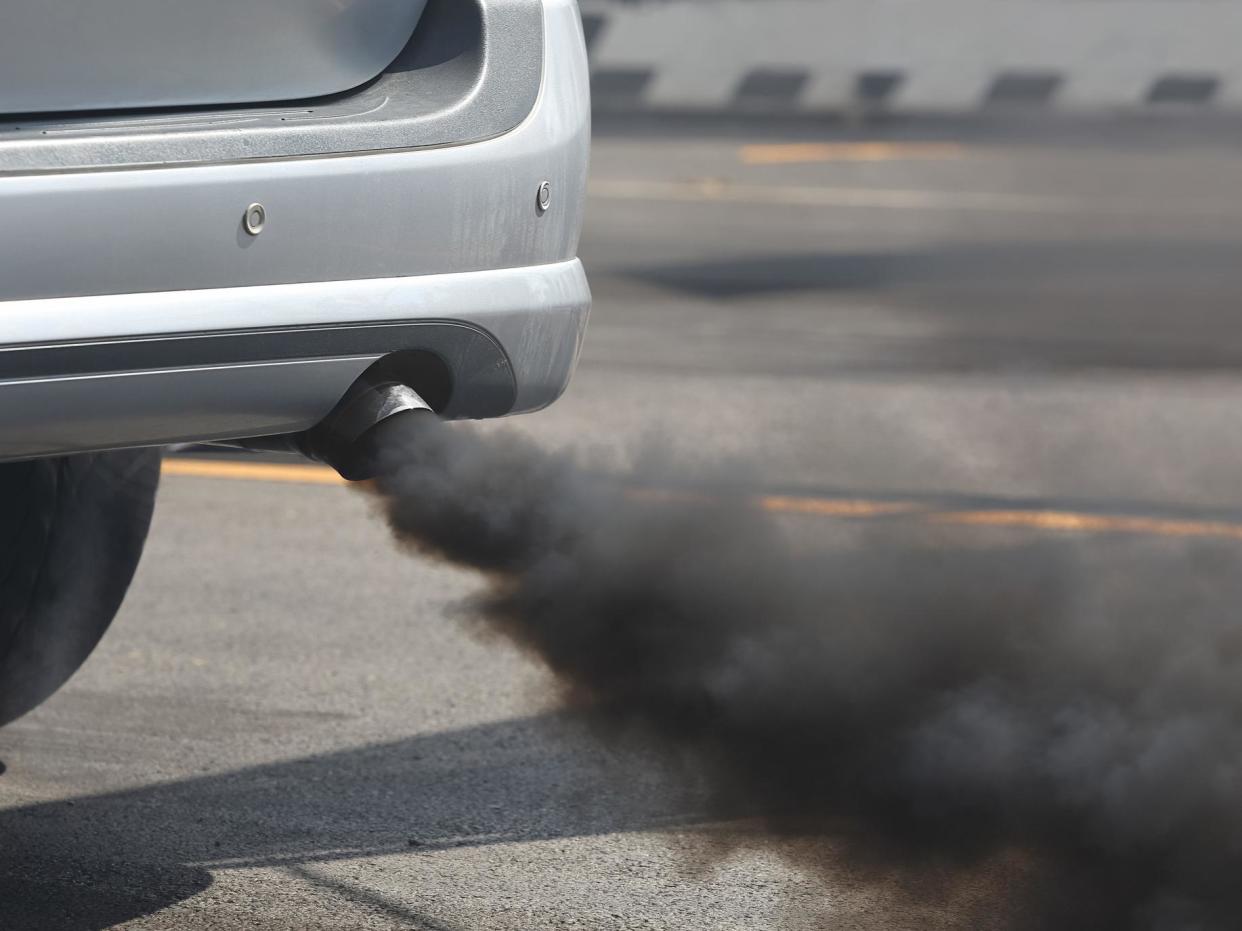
point(278, 357)
point(139, 310)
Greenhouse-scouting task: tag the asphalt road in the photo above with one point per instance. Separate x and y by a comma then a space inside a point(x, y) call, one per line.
point(291, 725)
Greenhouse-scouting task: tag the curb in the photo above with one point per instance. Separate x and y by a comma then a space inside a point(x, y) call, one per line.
point(873, 57)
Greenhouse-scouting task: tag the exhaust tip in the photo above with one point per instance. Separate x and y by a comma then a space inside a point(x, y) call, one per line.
point(347, 439)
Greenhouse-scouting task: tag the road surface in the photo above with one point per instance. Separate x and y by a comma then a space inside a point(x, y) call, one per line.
point(291, 724)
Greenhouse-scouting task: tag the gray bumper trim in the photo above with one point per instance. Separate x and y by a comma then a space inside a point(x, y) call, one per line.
point(480, 372)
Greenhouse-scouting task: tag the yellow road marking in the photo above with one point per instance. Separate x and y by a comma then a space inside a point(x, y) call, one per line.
point(792, 153)
point(300, 473)
point(1077, 522)
point(834, 507)
point(823, 506)
point(841, 508)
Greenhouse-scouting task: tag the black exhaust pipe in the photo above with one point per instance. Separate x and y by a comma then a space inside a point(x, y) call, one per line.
point(347, 439)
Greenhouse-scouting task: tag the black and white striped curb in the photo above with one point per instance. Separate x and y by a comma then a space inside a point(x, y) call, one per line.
point(951, 56)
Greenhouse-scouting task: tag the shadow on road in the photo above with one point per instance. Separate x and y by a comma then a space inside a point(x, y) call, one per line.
point(93, 862)
point(1190, 269)
point(1028, 306)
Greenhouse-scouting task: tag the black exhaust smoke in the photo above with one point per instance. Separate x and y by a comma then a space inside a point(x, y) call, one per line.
point(973, 727)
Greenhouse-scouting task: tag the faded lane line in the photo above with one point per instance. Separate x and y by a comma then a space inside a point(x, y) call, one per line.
point(835, 507)
point(1077, 522)
point(299, 473)
point(793, 153)
point(822, 506)
point(846, 508)
point(720, 190)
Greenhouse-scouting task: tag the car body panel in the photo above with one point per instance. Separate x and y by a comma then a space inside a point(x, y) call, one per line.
point(416, 239)
point(472, 71)
point(374, 215)
point(59, 55)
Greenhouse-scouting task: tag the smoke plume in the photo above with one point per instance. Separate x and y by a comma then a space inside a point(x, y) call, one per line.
point(1003, 731)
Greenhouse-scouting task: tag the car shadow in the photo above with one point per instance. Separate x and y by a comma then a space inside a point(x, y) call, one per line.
point(93, 862)
point(1032, 306)
point(1100, 269)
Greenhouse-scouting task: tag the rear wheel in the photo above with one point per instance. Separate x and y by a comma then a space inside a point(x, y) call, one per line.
point(71, 532)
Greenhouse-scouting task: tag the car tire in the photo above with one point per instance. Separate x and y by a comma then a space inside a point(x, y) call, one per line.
point(71, 533)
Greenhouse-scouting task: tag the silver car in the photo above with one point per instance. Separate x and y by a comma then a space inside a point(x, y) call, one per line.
point(273, 222)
